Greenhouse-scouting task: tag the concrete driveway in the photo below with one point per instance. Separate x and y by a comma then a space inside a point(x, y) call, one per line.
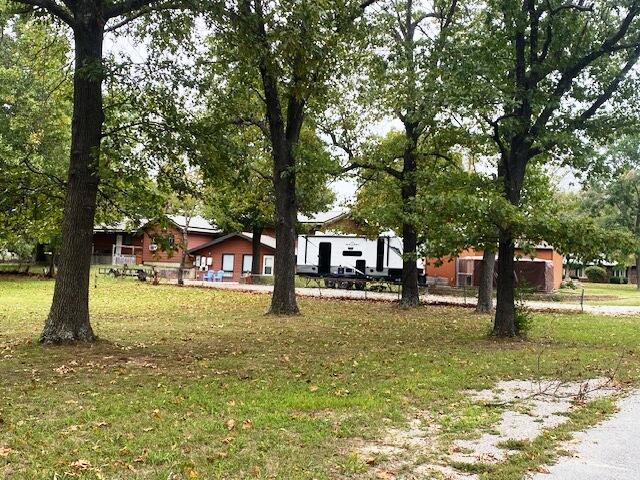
point(609, 451)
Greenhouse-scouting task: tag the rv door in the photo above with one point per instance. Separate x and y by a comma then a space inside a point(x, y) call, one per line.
point(324, 258)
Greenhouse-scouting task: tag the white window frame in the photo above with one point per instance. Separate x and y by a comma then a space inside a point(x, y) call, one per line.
point(246, 256)
point(264, 264)
point(228, 273)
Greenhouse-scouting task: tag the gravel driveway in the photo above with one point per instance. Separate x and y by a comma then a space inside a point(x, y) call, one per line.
point(430, 299)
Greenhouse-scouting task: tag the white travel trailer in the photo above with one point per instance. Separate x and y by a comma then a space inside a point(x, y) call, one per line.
point(351, 256)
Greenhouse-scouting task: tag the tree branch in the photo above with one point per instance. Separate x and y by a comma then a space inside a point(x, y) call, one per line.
point(53, 8)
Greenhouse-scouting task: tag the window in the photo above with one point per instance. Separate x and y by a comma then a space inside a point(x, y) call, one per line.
point(247, 261)
point(228, 260)
point(267, 265)
point(352, 253)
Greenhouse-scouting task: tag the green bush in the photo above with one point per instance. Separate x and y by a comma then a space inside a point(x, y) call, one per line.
point(619, 280)
point(596, 274)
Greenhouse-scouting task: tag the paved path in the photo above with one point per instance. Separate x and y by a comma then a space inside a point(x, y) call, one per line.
point(430, 299)
point(609, 451)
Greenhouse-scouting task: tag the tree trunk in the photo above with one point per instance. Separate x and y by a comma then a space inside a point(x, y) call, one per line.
point(410, 292)
point(283, 301)
point(52, 264)
point(284, 137)
point(485, 292)
point(68, 319)
point(256, 241)
point(638, 272)
point(184, 248)
point(505, 320)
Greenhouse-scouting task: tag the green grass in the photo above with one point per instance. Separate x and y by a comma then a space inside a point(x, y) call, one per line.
point(610, 294)
point(198, 383)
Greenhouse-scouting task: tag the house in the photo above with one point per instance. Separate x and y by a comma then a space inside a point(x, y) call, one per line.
point(169, 235)
point(541, 269)
point(116, 244)
point(233, 254)
point(123, 243)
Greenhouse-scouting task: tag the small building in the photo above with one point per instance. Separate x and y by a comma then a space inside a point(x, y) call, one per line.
point(125, 244)
point(541, 269)
point(233, 254)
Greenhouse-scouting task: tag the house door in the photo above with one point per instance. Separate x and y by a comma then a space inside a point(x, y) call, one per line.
point(324, 258)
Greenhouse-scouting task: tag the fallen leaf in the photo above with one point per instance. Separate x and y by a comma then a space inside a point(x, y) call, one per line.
point(81, 465)
point(230, 424)
point(247, 424)
point(313, 388)
point(5, 451)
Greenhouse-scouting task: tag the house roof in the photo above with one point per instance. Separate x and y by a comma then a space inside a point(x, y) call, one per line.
point(197, 224)
point(265, 241)
point(323, 217)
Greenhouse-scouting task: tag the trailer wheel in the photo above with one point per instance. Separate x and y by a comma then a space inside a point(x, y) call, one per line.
point(360, 285)
point(329, 283)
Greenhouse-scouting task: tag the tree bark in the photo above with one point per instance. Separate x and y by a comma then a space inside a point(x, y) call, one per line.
point(485, 292)
point(505, 320)
point(410, 292)
point(511, 169)
point(183, 258)
point(283, 142)
point(68, 319)
point(638, 272)
point(256, 241)
point(283, 301)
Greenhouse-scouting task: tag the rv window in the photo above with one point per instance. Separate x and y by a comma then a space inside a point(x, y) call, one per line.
point(352, 253)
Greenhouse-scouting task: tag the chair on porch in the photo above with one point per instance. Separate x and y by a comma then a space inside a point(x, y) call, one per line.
point(209, 276)
point(218, 276)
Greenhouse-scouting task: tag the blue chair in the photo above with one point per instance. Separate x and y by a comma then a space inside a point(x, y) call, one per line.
point(219, 276)
point(209, 276)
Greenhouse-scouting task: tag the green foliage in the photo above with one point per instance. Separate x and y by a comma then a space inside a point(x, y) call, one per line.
point(35, 118)
point(619, 280)
point(596, 274)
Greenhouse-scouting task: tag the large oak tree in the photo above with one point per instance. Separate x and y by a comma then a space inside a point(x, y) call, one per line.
point(548, 77)
point(68, 319)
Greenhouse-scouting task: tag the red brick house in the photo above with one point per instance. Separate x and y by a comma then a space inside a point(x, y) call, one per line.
point(124, 244)
point(542, 268)
point(233, 254)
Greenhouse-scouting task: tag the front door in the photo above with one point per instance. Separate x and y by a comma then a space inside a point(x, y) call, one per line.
point(324, 258)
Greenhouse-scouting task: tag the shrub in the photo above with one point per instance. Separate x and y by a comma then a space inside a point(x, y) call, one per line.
point(619, 280)
point(596, 274)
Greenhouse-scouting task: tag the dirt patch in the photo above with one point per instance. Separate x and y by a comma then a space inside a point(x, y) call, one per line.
point(528, 408)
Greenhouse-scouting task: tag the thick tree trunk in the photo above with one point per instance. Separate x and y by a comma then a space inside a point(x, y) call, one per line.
point(284, 136)
point(68, 319)
point(505, 320)
point(256, 241)
point(511, 170)
point(184, 248)
point(410, 292)
point(485, 292)
point(638, 272)
point(283, 301)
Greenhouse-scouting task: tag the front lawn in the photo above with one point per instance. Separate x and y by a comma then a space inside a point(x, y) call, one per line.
point(196, 383)
point(606, 294)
